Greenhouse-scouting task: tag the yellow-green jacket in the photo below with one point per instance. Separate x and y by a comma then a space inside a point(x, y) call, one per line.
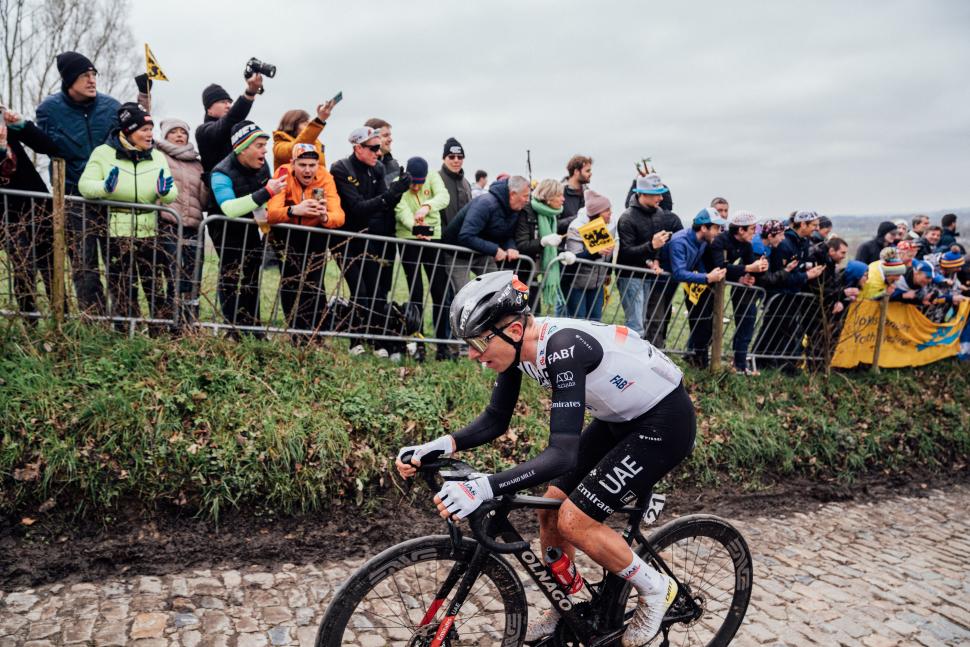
point(137, 182)
point(433, 193)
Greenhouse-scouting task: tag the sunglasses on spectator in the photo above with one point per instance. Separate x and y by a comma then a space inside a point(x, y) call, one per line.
point(456, 157)
point(481, 342)
point(374, 148)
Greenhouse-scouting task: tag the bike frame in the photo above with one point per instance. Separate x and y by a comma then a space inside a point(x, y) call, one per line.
point(585, 625)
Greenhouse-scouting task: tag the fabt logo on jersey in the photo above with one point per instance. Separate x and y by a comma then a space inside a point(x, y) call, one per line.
point(620, 383)
point(565, 353)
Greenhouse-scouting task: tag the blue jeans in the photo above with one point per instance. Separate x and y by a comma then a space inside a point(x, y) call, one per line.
point(585, 304)
point(632, 291)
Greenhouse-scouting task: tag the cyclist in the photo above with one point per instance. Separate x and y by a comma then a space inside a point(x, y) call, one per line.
point(643, 424)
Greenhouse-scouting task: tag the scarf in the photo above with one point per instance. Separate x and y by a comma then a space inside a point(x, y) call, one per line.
point(185, 152)
point(546, 217)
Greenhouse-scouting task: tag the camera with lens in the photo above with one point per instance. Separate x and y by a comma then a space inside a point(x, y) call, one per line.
point(256, 66)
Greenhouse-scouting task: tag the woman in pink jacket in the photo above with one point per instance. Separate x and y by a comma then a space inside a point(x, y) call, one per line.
point(183, 160)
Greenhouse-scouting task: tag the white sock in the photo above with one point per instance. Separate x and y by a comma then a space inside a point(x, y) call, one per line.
point(644, 578)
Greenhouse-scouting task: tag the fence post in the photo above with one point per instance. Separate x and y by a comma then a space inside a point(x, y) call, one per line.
point(717, 314)
point(60, 247)
point(880, 331)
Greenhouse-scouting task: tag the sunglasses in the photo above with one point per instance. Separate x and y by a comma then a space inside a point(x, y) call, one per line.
point(481, 342)
point(375, 148)
point(456, 157)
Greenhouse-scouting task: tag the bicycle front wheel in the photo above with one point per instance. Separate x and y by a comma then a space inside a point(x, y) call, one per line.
point(710, 559)
point(400, 597)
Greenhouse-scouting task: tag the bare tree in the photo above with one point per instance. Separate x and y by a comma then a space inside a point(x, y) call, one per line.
point(34, 32)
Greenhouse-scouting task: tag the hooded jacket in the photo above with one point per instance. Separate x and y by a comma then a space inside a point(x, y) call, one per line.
point(77, 129)
point(283, 143)
point(489, 222)
point(295, 193)
point(792, 247)
point(432, 193)
point(137, 179)
point(869, 250)
point(683, 257)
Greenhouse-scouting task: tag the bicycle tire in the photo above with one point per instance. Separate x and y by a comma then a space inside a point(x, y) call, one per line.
point(413, 553)
point(719, 533)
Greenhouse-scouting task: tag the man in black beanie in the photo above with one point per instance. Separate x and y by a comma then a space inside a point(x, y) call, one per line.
point(453, 158)
point(221, 114)
point(78, 119)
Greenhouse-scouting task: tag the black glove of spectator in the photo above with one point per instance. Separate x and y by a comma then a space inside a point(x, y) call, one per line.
point(144, 83)
point(400, 185)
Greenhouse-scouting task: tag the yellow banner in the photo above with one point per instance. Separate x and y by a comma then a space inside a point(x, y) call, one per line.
point(694, 291)
point(910, 338)
point(596, 237)
point(151, 66)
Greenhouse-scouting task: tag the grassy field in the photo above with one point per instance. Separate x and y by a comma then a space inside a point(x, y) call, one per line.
point(92, 421)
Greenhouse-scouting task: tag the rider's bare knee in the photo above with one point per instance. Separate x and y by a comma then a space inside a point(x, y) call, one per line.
point(573, 523)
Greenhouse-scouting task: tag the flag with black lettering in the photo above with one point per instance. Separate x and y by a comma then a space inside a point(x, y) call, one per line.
point(151, 66)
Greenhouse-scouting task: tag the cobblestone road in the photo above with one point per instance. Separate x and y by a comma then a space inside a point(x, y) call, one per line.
point(895, 572)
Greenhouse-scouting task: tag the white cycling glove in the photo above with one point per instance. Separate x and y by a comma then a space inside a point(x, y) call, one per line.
point(567, 258)
point(444, 444)
point(461, 498)
point(550, 240)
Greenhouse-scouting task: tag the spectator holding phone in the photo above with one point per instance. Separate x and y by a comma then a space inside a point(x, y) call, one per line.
point(309, 199)
point(418, 216)
point(296, 127)
point(644, 228)
point(129, 169)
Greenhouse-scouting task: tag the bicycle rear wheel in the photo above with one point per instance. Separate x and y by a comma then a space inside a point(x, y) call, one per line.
point(710, 559)
point(392, 601)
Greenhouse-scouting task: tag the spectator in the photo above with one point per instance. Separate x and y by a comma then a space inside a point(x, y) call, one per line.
point(193, 196)
point(536, 237)
point(241, 187)
point(296, 127)
point(683, 258)
point(368, 203)
point(643, 229)
point(902, 228)
point(920, 223)
point(78, 119)
point(28, 232)
point(906, 250)
point(487, 226)
point(950, 234)
point(913, 286)
point(128, 169)
point(308, 199)
point(827, 288)
point(422, 205)
point(783, 328)
point(392, 169)
point(481, 184)
point(868, 252)
point(666, 200)
point(722, 207)
point(821, 234)
point(583, 284)
point(772, 233)
point(579, 171)
point(882, 275)
point(733, 251)
point(453, 176)
point(929, 243)
point(213, 136)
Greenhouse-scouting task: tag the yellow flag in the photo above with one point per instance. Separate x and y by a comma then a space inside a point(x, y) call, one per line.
point(694, 291)
point(151, 66)
point(596, 236)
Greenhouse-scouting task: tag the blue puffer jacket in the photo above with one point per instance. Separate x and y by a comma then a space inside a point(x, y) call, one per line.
point(682, 257)
point(489, 222)
point(77, 129)
point(792, 247)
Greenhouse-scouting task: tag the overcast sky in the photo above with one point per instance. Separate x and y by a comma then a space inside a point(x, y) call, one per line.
point(842, 107)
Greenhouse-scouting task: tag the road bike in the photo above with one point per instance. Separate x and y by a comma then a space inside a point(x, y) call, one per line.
point(455, 591)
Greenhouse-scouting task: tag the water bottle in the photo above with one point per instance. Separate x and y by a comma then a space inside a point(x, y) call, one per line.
point(564, 570)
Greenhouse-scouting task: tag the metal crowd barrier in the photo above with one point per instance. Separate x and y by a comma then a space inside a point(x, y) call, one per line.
point(333, 283)
point(106, 271)
point(756, 327)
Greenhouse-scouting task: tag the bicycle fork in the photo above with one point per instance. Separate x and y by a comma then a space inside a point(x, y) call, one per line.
point(464, 586)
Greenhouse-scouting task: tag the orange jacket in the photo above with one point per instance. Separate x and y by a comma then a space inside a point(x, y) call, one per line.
point(283, 143)
point(295, 193)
